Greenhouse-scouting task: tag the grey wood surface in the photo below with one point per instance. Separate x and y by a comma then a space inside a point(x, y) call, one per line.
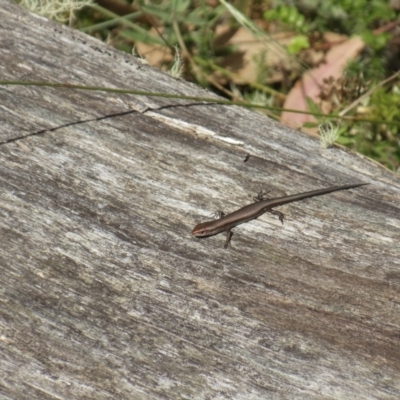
point(104, 292)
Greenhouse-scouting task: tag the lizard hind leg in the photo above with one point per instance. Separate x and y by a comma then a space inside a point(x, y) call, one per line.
point(228, 238)
point(261, 195)
point(279, 214)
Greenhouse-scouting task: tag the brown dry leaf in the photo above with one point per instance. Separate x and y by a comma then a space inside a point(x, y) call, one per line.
point(245, 62)
point(155, 54)
point(312, 81)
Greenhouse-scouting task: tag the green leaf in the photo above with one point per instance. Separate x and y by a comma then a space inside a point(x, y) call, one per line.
point(298, 44)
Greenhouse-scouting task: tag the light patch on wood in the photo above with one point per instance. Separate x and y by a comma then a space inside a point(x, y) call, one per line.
point(193, 128)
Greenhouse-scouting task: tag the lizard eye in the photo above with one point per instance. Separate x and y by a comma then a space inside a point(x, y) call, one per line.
point(199, 232)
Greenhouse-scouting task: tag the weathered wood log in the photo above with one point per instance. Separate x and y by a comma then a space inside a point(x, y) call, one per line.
point(104, 292)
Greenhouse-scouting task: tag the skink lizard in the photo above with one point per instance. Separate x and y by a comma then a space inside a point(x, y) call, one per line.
point(252, 211)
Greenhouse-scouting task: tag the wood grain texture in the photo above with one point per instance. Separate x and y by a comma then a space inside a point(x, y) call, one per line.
point(104, 292)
